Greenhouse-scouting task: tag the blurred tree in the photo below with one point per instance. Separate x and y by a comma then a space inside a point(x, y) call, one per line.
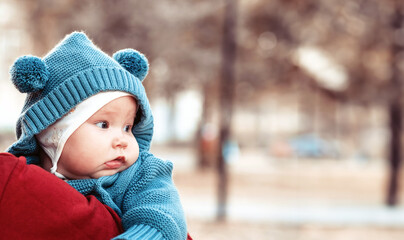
point(360, 37)
point(395, 108)
point(226, 100)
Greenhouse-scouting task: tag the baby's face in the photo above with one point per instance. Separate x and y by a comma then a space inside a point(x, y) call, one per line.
point(104, 144)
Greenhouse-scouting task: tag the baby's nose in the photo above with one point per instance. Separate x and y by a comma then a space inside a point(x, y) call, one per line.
point(120, 142)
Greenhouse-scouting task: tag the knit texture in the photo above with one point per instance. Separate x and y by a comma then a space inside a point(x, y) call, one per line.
point(140, 232)
point(76, 70)
point(142, 194)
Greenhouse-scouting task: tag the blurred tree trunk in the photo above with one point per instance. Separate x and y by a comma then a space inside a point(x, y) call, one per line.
point(226, 93)
point(205, 156)
point(395, 113)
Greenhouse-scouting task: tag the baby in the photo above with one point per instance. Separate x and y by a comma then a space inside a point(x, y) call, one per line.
point(87, 120)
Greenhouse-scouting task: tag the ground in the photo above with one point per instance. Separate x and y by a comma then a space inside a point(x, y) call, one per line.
point(288, 199)
point(262, 231)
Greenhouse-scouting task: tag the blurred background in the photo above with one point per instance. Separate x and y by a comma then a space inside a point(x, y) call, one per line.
point(283, 118)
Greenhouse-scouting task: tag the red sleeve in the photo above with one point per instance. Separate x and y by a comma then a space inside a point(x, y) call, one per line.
point(35, 204)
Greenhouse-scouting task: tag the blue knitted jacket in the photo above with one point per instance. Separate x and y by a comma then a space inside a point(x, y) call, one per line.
point(144, 194)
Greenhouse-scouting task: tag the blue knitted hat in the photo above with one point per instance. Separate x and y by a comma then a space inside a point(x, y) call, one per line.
point(70, 73)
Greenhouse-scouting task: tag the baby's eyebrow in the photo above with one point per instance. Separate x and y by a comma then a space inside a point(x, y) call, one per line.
point(113, 112)
point(102, 112)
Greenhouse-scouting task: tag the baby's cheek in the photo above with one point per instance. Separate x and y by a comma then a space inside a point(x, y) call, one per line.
point(134, 156)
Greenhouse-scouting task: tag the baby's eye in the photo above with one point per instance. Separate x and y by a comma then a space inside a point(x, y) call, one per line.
point(102, 124)
point(127, 128)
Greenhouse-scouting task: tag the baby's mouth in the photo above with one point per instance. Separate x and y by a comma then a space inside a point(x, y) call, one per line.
point(116, 163)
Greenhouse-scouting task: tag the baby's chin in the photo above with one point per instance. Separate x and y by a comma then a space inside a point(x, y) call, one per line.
point(107, 172)
point(97, 174)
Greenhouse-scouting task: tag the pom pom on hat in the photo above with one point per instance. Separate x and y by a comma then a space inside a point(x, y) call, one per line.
point(133, 61)
point(29, 74)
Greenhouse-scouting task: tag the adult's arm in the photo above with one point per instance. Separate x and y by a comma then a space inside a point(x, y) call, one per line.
point(35, 204)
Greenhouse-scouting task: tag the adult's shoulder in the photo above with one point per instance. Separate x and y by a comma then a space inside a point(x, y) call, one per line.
point(48, 206)
point(8, 164)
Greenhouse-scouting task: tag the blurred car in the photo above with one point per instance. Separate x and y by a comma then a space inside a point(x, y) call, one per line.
point(312, 146)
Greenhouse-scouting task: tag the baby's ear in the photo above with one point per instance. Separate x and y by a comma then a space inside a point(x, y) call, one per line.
point(133, 61)
point(29, 74)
